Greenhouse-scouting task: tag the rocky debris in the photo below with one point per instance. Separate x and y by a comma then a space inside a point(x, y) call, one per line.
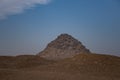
point(64, 46)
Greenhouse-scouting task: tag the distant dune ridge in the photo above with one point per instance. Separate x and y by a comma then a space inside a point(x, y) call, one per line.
point(64, 46)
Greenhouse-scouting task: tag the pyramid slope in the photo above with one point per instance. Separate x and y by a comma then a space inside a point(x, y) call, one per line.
point(64, 46)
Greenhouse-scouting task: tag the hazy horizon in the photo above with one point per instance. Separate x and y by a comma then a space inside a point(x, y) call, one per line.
point(26, 27)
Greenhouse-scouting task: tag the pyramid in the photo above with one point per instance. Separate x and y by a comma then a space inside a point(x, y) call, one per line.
point(64, 46)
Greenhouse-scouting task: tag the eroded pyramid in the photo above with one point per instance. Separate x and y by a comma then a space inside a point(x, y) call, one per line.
point(64, 46)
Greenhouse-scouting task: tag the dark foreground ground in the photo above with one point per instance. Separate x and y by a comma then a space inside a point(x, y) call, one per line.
point(80, 67)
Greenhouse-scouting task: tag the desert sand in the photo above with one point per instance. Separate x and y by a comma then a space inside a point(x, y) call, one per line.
point(80, 67)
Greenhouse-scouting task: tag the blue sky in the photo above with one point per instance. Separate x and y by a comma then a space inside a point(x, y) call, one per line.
point(28, 26)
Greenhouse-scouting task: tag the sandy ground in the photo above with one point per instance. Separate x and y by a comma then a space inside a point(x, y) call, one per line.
point(82, 67)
